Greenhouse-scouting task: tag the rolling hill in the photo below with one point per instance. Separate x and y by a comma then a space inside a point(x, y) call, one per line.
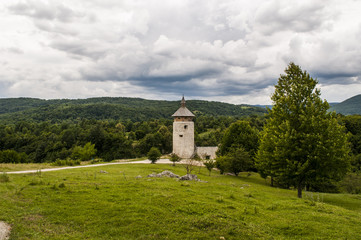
point(350, 106)
point(107, 108)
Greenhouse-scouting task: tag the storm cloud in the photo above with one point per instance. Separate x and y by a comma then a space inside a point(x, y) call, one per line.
point(228, 50)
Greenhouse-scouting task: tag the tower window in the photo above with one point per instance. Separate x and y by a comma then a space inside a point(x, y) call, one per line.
point(185, 126)
point(180, 135)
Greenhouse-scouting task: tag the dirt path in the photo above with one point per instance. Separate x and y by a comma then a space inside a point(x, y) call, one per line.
point(161, 161)
point(4, 231)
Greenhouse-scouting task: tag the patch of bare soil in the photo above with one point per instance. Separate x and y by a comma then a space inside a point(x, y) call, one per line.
point(4, 231)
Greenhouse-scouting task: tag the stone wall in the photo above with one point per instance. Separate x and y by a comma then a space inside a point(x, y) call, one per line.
point(207, 152)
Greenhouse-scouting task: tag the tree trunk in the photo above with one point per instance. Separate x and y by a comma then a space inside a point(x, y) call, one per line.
point(271, 181)
point(299, 191)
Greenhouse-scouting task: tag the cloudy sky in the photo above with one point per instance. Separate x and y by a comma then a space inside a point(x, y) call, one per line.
point(222, 50)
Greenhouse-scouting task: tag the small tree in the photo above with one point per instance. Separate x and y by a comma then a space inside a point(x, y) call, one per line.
point(84, 153)
point(210, 164)
point(191, 163)
point(238, 160)
point(154, 154)
point(174, 158)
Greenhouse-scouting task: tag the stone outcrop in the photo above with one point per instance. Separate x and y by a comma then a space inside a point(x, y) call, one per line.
point(189, 177)
point(164, 174)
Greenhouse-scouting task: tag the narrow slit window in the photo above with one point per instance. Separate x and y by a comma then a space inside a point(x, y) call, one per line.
point(185, 126)
point(180, 135)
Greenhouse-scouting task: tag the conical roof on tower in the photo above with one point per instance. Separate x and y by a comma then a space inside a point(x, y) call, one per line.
point(183, 110)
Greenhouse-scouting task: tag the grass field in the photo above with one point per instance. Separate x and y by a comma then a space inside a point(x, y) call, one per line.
point(87, 204)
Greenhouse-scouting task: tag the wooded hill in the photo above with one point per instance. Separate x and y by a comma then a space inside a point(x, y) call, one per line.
point(350, 106)
point(107, 108)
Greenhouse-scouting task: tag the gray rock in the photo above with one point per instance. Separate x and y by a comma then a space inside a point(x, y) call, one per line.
point(102, 171)
point(189, 177)
point(164, 174)
point(137, 177)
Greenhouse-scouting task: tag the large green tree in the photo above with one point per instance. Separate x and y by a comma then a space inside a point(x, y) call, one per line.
point(239, 134)
point(301, 142)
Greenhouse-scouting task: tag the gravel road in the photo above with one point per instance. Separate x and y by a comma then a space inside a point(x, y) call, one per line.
point(161, 161)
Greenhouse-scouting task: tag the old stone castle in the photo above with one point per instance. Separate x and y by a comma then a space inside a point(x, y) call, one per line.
point(183, 136)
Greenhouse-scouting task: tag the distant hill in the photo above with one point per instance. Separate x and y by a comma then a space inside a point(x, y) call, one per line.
point(350, 106)
point(106, 108)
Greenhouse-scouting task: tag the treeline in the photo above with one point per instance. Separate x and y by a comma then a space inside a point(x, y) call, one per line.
point(47, 142)
point(123, 109)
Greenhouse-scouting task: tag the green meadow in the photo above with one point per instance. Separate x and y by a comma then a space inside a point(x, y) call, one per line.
point(86, 203)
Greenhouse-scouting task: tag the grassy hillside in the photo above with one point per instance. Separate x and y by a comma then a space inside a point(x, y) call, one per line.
point(350, 106)
point(134, 109)
point(87, 204)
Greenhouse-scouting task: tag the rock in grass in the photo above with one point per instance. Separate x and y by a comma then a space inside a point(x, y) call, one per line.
point(164, 174)
point(189, 177)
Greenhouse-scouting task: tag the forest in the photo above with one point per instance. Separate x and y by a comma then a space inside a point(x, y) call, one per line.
point(68, 140)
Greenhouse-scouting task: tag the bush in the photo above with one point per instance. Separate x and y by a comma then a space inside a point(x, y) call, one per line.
point(11, 156)
point(351, 183)
point(221, 164)
point(84, 153)
point(154, 154)
point(210, 164)
point(174, 158)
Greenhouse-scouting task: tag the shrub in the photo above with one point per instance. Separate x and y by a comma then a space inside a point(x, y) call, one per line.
point(154, 154)
point(351, 183)
point(174, 158)
point(210, 164)
point(11, 156)
point(84, 153)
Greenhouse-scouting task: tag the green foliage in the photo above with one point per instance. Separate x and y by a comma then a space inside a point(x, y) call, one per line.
point(301, 144)
point(11, 156)
point(84, 153)
point(174, 158)
point(353, 126)
point(210, 164)
point(154, 154)
point(240, 135)
point(351, 183)
point(221, 164)
point(235, 161)
point(134, 109)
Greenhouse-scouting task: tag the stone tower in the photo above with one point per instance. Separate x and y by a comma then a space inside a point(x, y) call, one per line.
point(183, 132)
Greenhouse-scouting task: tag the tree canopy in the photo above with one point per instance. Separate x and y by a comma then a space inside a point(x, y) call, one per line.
point(301, 142)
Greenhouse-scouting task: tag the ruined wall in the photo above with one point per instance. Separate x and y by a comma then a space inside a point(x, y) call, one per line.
point(207, 152)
